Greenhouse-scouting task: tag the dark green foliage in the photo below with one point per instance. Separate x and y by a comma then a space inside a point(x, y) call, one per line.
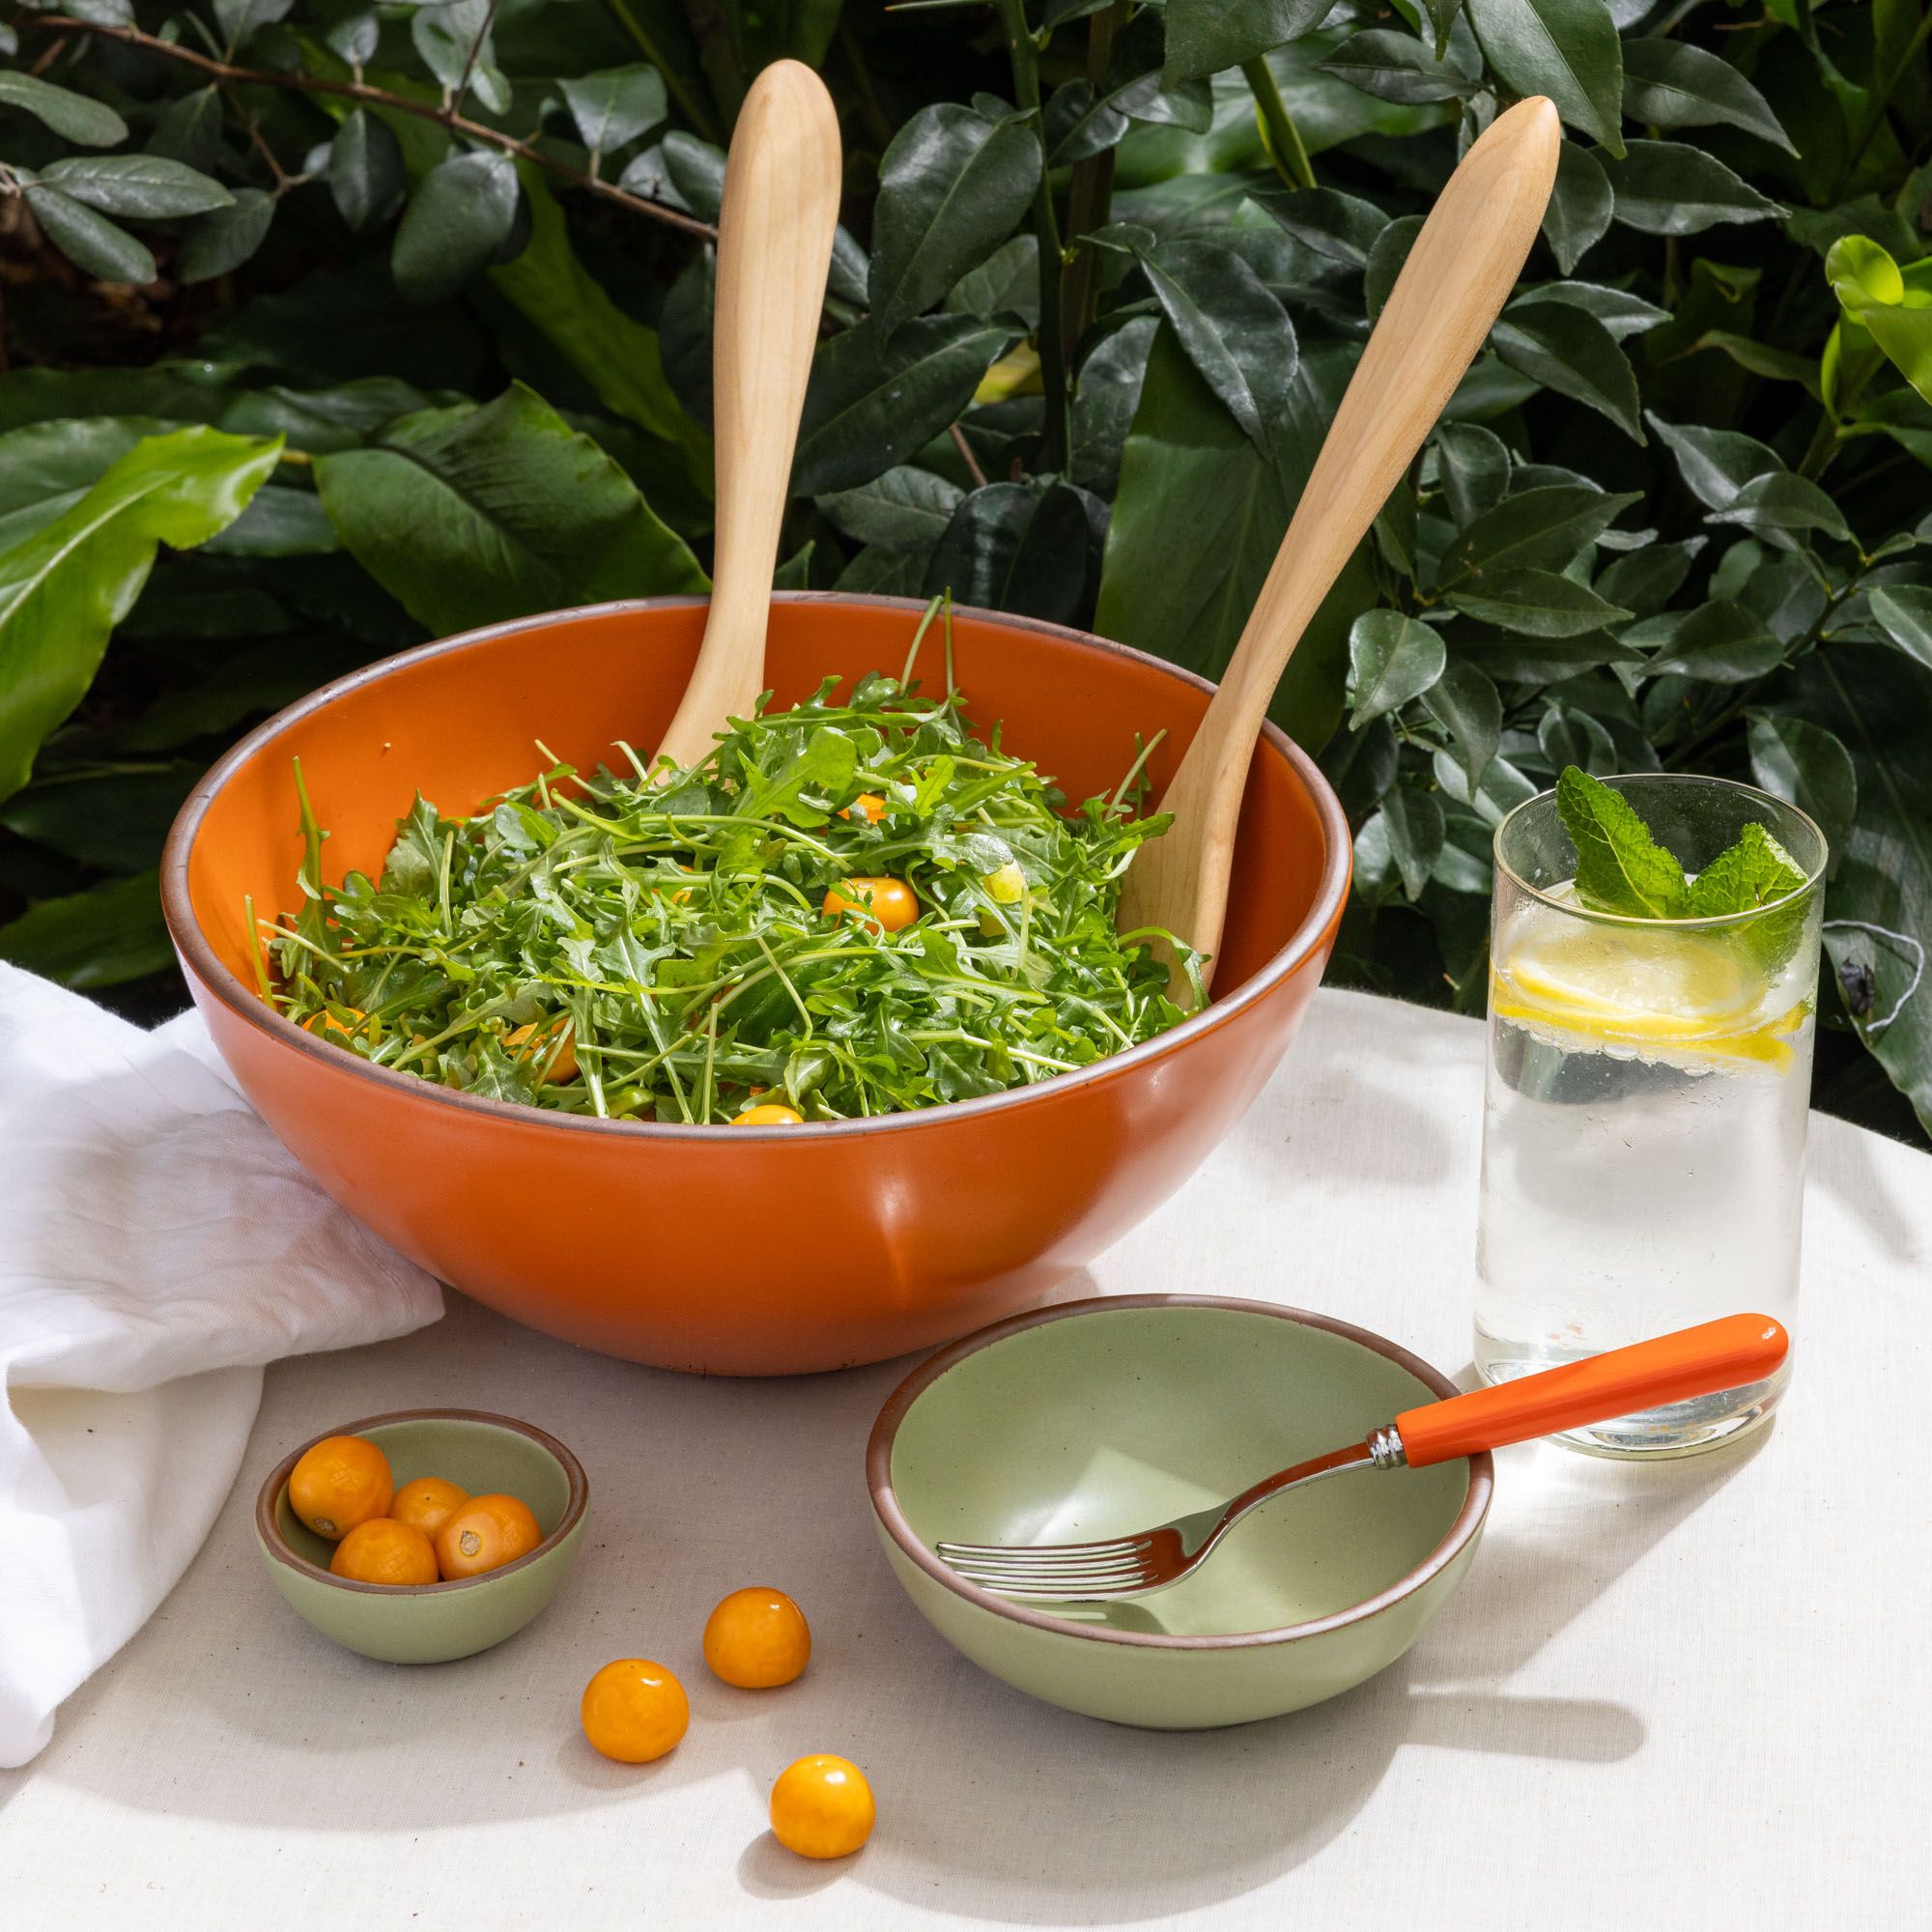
point(1105, 270)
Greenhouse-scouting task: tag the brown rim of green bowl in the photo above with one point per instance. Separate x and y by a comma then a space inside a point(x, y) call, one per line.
point(886, 1504)
point(178, 907)
point(278, 1547)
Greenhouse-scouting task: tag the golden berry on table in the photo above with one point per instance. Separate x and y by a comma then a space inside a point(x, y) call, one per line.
point(635, 1710)
point(822, 1807)
point(758, 1638)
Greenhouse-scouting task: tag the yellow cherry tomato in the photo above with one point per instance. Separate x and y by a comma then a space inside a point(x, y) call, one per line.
point(383, 1550)
point(555, 1050)
point(822, 1807)
point(1007, 885)
point(885, 904)
point(869, 803)
point(427, 1503)
point(635, 1710)
point(757, 1638)
point(341, 1481)
point(769, 1115)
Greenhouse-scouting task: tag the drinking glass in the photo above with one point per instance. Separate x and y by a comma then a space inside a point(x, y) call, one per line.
point(1644, 1125)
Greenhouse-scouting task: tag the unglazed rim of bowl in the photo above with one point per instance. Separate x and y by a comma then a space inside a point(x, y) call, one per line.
point(281, 1551)
point(886, 1503)
point(206, 965)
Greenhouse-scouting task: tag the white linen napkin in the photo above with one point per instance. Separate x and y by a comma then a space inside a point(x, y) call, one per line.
point(157, 1246)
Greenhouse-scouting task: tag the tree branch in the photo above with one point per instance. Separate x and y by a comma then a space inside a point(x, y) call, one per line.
point(230, 75)
point(967, 457)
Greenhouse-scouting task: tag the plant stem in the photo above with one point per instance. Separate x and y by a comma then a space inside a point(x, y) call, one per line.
point(1823, 446)
point(877, 121)
point(447, 117)
point(461, 91)
point(1291, 156)
point(688, 105)
point(1090, 191)
point(1058, 436)
point(1741, 703)
point(967, 457)
point(1829, 435)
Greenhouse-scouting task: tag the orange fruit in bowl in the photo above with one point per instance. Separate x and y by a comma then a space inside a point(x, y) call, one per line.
point(485, 1533)
point(758, 1638)
point(383, 1550)
point(822, 1807)
point(887, 905)
point(635, 1710)
point(340, 1481)
point(324, 1023)
point(554, 1052)
point(426, 1503)
point(768, 1114)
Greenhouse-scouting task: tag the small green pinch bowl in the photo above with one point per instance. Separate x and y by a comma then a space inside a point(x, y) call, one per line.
point(1098, 1417)
point(433, 1623)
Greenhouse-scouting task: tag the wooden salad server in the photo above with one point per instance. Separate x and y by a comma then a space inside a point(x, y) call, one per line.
point(774, 234)
point(1452, 286)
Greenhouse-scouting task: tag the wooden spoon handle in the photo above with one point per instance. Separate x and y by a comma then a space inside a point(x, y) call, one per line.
point(774, 251)
point(1456, 277)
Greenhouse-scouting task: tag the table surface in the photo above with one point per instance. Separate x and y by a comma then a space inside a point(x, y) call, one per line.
point(1665, 1693)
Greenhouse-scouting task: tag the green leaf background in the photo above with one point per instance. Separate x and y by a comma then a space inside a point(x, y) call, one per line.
point(295, 381)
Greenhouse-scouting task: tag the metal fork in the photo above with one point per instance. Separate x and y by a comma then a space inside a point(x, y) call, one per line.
point(1726, 1354)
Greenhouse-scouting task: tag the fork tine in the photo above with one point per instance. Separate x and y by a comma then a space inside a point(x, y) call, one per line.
point(1065, 1552)
point(1055, 1580)
point(1021, 1573)
point(1041, 1553)
point(1045, 1574)
point(1086, 1593)
point(1127, 1560)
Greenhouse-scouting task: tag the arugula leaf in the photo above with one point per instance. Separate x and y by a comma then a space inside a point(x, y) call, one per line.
point(824, 764)
point(1620, 867)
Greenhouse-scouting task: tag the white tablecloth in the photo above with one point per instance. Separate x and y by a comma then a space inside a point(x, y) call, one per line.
point(1694, 1694)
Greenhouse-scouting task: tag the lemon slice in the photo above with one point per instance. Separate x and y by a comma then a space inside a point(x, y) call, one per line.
point(1655, 990)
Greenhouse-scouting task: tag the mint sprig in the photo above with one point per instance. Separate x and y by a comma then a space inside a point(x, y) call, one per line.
point(1754, 872)
point(1620, 867)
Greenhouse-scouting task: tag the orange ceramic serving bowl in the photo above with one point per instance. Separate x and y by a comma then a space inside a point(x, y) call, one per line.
point(740, 1250)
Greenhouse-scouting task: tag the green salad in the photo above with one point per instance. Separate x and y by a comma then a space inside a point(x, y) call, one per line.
point(852, 907)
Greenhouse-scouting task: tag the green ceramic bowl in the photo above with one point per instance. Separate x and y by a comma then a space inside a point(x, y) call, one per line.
point(1098, 1417)
point(432, 1623)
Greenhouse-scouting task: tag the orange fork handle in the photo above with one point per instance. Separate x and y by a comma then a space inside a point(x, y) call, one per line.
point(1713, 1355)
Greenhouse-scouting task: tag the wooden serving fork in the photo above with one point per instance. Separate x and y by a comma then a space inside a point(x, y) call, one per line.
point(773, 253)
point(1452, 288)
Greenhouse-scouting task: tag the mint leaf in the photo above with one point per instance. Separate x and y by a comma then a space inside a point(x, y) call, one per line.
point(1756, 871)
point(1620, 867)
